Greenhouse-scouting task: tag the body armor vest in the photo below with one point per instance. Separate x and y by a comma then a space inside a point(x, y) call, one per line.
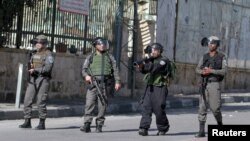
point(215, 63)
point(100, 66)
point(38, 59)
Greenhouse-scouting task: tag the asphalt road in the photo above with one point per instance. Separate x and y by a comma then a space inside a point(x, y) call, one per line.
point(183, 126)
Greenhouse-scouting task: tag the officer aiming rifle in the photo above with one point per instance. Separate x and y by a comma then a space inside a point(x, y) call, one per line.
point(147, 57)
point(154, 99)
point(166, 68)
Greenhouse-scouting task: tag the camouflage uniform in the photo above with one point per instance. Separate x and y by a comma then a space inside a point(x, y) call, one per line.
point(39, 83)
point(212, 90)
point(103, 66)
point(38, 86)
point(211, 86)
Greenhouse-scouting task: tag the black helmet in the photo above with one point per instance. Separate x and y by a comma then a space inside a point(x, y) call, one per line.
point(101, 41)
point(39, 39)
point(157, 46)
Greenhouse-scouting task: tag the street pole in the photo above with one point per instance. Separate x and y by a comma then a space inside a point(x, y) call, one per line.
point(53, 26)
point(1, 20)
point(118, 33)
point(134, 50)
point(19, 24)
point(19, 86)
point(85, 34)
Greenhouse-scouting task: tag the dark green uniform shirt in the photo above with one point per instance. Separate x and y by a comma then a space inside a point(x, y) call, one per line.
point(155, 71)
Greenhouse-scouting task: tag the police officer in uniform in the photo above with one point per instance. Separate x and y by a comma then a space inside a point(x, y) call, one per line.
point(38, 86)
point(154, 99)
point(212, 68)
point(103, 67)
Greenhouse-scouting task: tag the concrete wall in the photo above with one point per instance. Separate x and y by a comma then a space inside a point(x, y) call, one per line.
point(227, 19)
point(66, 82)
point(66, 77)
point(165, 31)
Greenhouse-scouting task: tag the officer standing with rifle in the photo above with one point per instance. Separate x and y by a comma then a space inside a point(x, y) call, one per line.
point(99, 69)
point(212, 68)
point(41, 64)
point(155, 69)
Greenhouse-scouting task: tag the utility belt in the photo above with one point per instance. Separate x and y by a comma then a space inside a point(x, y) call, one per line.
point(36, 74)
point(105, 78)
point(212, 79)
point(151, 87)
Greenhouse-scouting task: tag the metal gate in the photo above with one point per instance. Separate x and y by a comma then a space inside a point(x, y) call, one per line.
point(62, 27)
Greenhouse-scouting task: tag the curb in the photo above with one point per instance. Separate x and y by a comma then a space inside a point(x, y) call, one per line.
point(122, 107)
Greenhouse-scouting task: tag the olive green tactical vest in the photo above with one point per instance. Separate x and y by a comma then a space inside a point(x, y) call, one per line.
point(96, 65)
point(156, 79)
point(38, 59)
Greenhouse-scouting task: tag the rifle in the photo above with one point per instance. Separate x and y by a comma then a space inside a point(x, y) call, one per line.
point(203, 86)
point(29, 64)
point(204, 80)
point(100, 94)
point(143, 60)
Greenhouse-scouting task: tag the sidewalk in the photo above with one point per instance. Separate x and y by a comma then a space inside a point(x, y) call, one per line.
point(117, 105)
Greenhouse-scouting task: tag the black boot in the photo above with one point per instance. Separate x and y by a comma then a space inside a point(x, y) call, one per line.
point(26, 124)
point(201, 132)
point(143, 132)
point(98, 128)
point(160, 133)
point(41, 125)
point(86, 127)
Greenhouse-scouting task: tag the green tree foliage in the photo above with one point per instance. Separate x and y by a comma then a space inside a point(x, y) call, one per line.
point(9, 9)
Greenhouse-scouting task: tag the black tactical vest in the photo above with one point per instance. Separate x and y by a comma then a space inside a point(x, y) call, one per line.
point(215, 63)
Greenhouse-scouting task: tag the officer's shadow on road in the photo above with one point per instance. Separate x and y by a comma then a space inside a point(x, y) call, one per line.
point(152, 132)
point(69, 127)
point(75, 127)
point(180, 133)
point(63, 128)
point(127, 130)
point(173, 134)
